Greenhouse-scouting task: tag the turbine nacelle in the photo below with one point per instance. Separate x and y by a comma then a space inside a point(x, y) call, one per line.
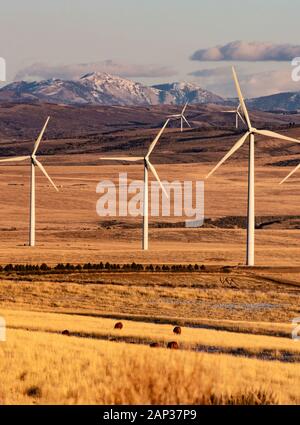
point(146, 158)
point(252, 131)
point(33, 159)
point(238, 115)
point(181, 117)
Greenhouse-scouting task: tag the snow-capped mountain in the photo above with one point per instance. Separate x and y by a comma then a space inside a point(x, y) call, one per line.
point(52, 91)
point(179, 93)
point(105, 89)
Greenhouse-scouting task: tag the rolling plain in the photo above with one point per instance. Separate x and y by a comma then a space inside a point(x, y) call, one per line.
point(235, 346)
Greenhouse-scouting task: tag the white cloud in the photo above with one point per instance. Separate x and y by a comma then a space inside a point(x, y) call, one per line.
point(40, 71)
point(267, 83)
point(255, 84)
point(248, 51)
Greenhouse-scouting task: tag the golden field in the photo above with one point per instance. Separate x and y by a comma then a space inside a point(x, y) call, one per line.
point(40, 367)
point(235, 345)
point(146, 333)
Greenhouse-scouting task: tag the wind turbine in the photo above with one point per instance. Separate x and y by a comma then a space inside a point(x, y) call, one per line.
point(147, 166)
point(291, 173)
point(181, 117)
point(238, 115)
point(250, 134)
point(33, 163)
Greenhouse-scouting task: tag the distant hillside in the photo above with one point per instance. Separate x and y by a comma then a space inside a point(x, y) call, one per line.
point(105, 89)
point(120, 130)
point(277, 102)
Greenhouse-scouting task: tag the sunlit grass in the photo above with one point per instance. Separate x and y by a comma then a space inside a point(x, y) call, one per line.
point(38, 367)
point(145, 332)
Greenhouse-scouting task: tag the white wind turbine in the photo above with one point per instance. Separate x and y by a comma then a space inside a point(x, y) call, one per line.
point(238, 115)
point(33, 163)
point(181, 117)
point(291, 173)
point(147, 166)
point(250, 134)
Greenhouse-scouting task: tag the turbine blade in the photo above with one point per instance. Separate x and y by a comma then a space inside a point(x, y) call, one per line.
point(156, 176)
point(291, 173)
point(186, 121)
point(16, 158)
point(122, 158)
point(241, 117)
point(235, 147)
point(38, 140)
point(242, 102)
point(228, 112)
point(269, 133)
point(184, 108)
point(152, 146)
point(174, 116)
point(45, 173)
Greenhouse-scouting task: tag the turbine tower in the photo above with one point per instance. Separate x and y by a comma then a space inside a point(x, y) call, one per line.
point(33, 163)
point(250, 135)
point(291, 173)
point(181, 117)
point(147, 166)
point(238, 115)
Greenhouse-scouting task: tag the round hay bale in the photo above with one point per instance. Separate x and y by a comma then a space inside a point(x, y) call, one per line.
point(173, 345)
point(119, 325)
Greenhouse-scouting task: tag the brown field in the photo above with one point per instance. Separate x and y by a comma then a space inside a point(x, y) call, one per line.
point(69, 230)
point(235, 345)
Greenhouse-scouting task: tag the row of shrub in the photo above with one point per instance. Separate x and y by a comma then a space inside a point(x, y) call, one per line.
point(101, 266)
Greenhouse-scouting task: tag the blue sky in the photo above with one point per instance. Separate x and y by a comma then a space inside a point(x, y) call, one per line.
point(151, 41)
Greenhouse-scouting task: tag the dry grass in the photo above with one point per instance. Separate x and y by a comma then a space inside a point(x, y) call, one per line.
point(102, 370)
point(244, 297)
point(44, 368)
point(139, 332)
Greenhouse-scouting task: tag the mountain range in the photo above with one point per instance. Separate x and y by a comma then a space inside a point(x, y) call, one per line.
point(105, 89)
point(289, 101)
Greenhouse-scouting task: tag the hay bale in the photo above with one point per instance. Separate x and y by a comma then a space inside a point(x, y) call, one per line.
point(173, 345)
point(119, 325)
